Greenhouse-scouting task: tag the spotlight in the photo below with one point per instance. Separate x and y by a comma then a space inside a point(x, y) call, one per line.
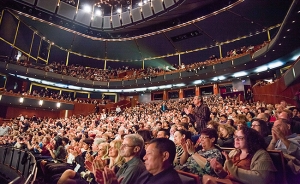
point(41, 102)
point(21, 100)
point(58, 105)
point(98, 13)
point(87, 8)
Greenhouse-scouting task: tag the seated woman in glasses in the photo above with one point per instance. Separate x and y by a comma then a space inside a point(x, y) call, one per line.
point(248, 163)
point(262, 127)
point(198, 162)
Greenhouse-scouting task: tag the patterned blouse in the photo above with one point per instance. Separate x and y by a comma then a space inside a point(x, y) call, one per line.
point(195, 168)
point(179, 152)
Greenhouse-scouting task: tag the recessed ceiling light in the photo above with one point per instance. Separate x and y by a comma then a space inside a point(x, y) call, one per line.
point(288, 30)
point(293, 21)
point(279, 44)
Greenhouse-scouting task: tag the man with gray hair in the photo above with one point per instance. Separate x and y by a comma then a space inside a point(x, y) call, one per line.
point(201, 114)
point(133, 167)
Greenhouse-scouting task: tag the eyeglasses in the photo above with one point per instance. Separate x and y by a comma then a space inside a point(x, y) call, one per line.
point(255, 125)
point(239, 138)
point(204, 137)
point(126, 145)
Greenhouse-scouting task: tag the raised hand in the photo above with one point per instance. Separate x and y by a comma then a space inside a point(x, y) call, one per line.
point(106, 176)
point(225, 155)
point(89, 165)
point(183, 145)
point(217, 166)
point(190, 146)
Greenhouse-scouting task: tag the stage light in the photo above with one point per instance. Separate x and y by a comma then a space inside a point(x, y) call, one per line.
point(21, 100)
point(87, 8)
point(98, 13)
point(58, 105)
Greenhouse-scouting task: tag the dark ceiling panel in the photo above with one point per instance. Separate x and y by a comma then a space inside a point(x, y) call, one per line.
point(266, 13)
point(222, 31)
point(57, 55)
point(24, 38)
point(199, 41)
point(126, 50)
point(199, 56)
point(155, 46)
point(60, 37)
point(86, 46)
point(84, 61)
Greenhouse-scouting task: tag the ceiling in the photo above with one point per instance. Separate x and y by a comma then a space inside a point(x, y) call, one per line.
point(245, 23)
point(242, 25)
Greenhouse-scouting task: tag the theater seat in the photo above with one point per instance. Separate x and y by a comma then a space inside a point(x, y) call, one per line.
point(278, 160)
point(188, 178)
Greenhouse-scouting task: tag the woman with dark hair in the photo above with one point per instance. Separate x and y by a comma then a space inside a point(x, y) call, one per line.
point(146, 135)
point(198, 162)
point(180, 135)
point(248, 163)
point(262, 128)
point(57, 152)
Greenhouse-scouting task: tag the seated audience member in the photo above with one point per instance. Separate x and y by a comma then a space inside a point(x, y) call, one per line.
point(159, 165)
point(212, 124)
point(163, 133)
point(146, 135)
point(133, 167)
point(223, 119)
point(57, 152)
point(231, 123)
point(248, 163)
point(197, 161)
point(262, 128)
point(295, 124)
point(266, 117)
point(295, 113)
point(116, 160)
point(226, 136)
point(4, 129)
point(178, 137)
point(159, 158)
point(286, 141)
point(249, 116)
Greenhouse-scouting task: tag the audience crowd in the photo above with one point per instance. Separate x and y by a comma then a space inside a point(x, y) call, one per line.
point(146, 143)
point(126, 72)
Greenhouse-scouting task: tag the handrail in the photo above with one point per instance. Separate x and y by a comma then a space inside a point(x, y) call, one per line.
point(21, 161)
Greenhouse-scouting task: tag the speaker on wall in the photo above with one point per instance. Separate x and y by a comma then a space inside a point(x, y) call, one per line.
point(168, 3)
point(125, 17)
point(116, 21)
point(66, 10)
point(83, 17)
point(106, 22)
point(157, 6)
point(136, 14)
point(47, 5)
point(146, 10)
point(97, 22)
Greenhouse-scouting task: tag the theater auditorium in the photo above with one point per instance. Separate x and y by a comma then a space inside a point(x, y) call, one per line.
point(149, 91)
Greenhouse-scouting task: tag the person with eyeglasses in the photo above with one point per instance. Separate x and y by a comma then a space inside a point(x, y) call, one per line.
point(262, 128)
point(197, 162)
point(248, 163)
point(133, 167)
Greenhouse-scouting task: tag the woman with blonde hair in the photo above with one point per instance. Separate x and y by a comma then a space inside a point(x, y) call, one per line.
point(115, 160)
